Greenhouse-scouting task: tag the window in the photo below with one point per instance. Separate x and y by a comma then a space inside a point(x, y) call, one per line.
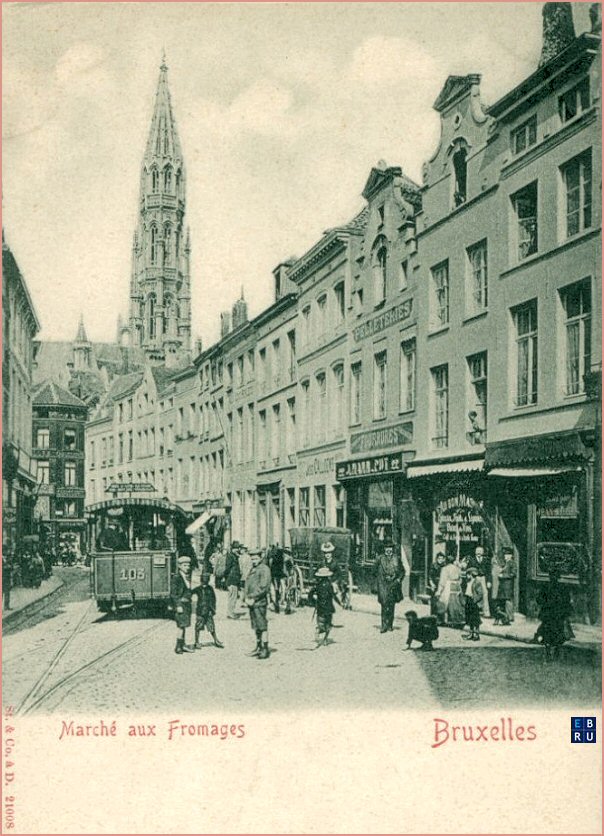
point(291, 507)
point(403, 278)
point(379, 386)
point(69, 508)
point(162, 444)
point(381, 212)
point(131, 446)
point(524, 135)
point(322, 404)
point(576, 302)
point(240, 370)
point(192, 418)
point(304, 507)
point(43, 438)
point(460, 171)
point(291, 341)
point(525, 323)
point(574, 101)
point(319, 506)
point(154, 244)
point(525, 208)
point(340, 504)
point(291, 427)
point(130, 409)
point(477, 404)
point(440, 294)
point(154, 180)
point(321, 317)
point(69, 440)
point(476, 274)
point(338, 400)
point(276, 433)
point(121, 448)
point(379, 266)
point(91, 455)
point(168, 179)
point(276, 365)
point(43, 472)
point(408, 360)
point(357, 301)
point(340, 302)
point(239, 435)
point(151, 316)
point(306, 335)
point(355, 393)
point(576, 177)
point(262, 368)
point(167, 247)
point(262, 437)
point(250, 364)
point(180, 425)
point(70, 474)
point(440, 399)
point(306, 412)
point(120, 412)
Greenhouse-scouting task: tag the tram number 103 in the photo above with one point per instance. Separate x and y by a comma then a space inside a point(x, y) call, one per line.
point(132, 574)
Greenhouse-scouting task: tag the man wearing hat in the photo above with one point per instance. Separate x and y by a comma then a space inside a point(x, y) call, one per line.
point(474, 600)
point(322, 596)
point(181, 602)
point(112, 537)
point(257, 589)
point(232, 576)
point(390, 574)
point(504, 604)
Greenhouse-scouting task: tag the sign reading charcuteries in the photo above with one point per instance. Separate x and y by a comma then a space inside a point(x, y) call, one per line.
point(394, 436)
point(383, 321)
point(373, 466)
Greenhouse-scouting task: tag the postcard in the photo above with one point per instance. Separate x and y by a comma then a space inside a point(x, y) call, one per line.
point(301, 449)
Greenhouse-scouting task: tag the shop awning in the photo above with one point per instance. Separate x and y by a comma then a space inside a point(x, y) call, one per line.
point(530, 472)
point(203, 518)
point(444, 467)
point(559, 450)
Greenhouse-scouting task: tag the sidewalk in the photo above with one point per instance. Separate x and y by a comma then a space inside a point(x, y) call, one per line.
point(587, 636)
point(21, 596)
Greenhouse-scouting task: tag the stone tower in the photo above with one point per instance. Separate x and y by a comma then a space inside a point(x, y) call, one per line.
point(82, 348)
point(160, 284)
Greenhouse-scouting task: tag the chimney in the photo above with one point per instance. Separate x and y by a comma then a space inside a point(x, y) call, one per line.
point(558, 30)
point(225, 323)
point(239, 312)
point(595, 16)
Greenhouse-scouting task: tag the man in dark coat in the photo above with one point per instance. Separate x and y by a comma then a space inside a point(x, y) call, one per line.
point(112, 538)
point(504, 605)
point(257, 590)
point(232, 577)
point(390, 574)
point(275, 562)
point(181, 602)
point(554, 611)
point(482, 564)
point(7, 579)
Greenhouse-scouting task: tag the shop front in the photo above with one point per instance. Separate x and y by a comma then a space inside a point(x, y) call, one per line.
point(543, 487)
point(379, 507)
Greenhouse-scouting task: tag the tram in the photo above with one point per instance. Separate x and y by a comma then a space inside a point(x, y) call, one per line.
point(134, 545)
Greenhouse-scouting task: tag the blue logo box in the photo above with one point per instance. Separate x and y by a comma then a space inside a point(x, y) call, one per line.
point(582, 729)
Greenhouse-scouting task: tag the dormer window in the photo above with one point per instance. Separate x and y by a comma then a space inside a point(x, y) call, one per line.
point(460, 171)
point(380, 216)
point(574, 101)
point(524, 135)
point(379, 263)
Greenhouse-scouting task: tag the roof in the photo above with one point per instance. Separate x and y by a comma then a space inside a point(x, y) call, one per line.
point(163, 124)
point(123, 385)
point(163, 377)
point(54, 356)
point(50, 393)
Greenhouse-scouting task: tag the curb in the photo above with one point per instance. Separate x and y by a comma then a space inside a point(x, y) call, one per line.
point(580, 645)
point(14, 613)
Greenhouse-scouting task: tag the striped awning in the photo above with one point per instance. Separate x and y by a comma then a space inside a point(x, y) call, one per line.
point(469, 465)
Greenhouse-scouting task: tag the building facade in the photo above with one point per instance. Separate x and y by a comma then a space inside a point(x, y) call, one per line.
point(19, 328)
point(429, 371)
point(59, 420)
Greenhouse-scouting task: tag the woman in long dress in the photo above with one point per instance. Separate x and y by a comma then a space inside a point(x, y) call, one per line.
point(450, 593)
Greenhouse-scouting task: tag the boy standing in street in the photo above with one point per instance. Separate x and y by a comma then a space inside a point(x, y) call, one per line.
point(321, 596)
point(474, 601)
point(257, 589)
point(181, 602)
point(205, 612)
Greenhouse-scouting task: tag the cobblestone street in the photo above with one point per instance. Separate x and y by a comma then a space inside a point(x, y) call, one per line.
point(128, 664)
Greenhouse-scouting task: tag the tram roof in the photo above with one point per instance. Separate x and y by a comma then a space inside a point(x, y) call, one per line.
point(136, 501)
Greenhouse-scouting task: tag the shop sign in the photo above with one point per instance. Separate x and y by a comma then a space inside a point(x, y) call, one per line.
point(396, 436)
point(383, 321)
point(460, 518)
point(318, 466)
point(130, 487)
point(560, 506)
point(373, 466)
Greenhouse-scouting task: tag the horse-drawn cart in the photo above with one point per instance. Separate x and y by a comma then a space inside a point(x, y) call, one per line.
point(308, 558)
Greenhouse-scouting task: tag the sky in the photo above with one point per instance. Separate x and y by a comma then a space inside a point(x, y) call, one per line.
point(282, 109)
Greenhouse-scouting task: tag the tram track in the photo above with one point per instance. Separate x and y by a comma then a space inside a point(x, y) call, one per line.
point(35, 697)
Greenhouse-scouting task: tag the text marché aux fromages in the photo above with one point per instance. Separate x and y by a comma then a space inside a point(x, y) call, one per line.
point(171, 730)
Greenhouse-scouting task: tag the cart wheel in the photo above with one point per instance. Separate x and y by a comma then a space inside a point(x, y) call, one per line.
point(298, 587)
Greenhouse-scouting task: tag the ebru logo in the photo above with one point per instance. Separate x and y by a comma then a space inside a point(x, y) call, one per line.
point(582, 729)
